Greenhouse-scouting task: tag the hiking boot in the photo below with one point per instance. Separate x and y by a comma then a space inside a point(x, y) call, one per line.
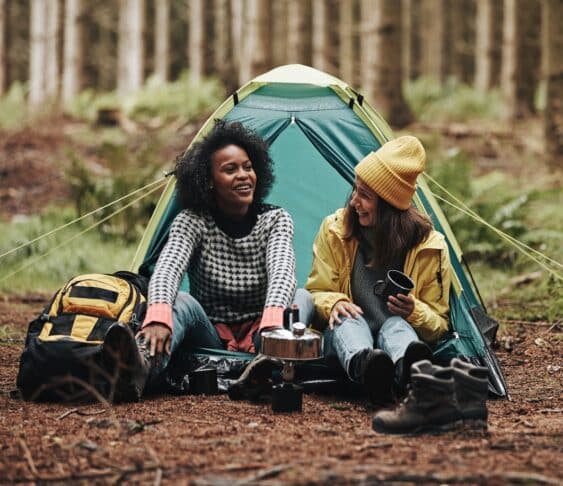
point(255, 382)
point(416, 351)
point(430, 405)
point(471, 388)
point(376, 375)
point(127, 362)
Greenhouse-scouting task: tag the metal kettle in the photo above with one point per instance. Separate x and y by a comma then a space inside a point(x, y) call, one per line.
point(295, 342)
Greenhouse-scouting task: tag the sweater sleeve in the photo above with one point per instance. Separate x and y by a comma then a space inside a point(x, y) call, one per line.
point(323, 281)
point(186, 232)
point(280, 266)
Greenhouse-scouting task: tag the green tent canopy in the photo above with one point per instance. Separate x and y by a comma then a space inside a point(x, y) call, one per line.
point(318, 128)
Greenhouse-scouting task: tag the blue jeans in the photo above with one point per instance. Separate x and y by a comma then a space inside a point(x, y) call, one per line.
point(193, 329)
point(353, 335)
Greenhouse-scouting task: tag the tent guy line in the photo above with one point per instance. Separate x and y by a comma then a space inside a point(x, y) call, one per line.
point(80, 218)
point(92, 226)
point(520, 246)
point(460, 206)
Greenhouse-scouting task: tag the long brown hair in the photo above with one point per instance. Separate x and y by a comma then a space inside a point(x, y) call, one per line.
point(396, 231)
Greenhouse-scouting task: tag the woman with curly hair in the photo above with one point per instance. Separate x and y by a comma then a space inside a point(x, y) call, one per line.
point(237, 252)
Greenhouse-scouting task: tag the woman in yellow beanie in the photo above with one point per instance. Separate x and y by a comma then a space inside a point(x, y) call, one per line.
point(376, 341)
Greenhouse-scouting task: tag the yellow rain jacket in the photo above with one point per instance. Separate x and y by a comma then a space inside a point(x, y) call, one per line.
point(428, 265)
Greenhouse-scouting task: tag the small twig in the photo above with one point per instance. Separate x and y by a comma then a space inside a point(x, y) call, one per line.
point(267, 473)
point(525, 323)
point(157, 477)
point(28, 458)
point(553, 326)
point(67, 413)
point(380, 445)
point(77, 411)
point(153, 455)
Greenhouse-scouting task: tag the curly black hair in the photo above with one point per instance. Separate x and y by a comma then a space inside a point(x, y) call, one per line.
point(193, 168)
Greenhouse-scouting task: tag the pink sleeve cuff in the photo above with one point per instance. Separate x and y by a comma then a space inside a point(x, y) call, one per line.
point(159, 312)
point(272, 317)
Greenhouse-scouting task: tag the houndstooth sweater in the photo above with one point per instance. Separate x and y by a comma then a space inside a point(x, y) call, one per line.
point(234, 279)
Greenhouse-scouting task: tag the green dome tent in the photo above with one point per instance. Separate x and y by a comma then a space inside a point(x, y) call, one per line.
point(318, 128)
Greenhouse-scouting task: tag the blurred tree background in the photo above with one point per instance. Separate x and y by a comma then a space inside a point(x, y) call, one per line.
point(126, 83)
point(58, 48)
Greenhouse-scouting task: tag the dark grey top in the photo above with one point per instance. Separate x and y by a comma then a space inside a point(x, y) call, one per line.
point(363, 282)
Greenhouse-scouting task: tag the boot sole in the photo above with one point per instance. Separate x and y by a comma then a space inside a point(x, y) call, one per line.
point(475, 425)
point(121, 349)
point(430, 429)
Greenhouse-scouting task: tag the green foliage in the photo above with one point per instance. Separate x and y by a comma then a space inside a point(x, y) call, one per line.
point(452, 101)
point(125, 172)
point(183, 99)
point(527, 213)
point(13, 108)
point(89, 252)
point(490, 199)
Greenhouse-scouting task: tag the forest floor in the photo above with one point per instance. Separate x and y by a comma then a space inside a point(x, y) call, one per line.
point(214, 441)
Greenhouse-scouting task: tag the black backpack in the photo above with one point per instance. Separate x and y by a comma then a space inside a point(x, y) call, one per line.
point(62, 358)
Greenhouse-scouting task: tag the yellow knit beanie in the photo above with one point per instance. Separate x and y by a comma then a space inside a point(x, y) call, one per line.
point(392, 170)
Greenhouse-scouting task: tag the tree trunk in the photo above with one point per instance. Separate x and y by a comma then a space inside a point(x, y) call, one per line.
point(299, 32)
point(433, 39)
point(237, 24)
point(411, 33)
point(73, 52)
point(223, 45)
point(52, 78)
point(162, 40)
point(462, 40)
point(196, 36)
point(17, 41)
point(488, 39)
point(130, 46)
point(552, 11)
point(321, 35)
point(3, 48)
point(386, 90)
point(346, 29)
point(369, 13)
point(521, 56)
point(257, 51)
point(279, 32)
point(38, 51)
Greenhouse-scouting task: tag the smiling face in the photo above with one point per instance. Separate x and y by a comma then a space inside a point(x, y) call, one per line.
point(364, 202)
point(234, 180)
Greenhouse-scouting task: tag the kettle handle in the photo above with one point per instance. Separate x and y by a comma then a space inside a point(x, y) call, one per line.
point(287, 312)
point(290, 313)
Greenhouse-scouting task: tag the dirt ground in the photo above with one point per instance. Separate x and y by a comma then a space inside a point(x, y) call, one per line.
point(214, 441)
point(210, 440)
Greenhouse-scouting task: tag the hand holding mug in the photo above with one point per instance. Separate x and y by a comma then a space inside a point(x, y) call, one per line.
point(394, 291)
point(401, 305)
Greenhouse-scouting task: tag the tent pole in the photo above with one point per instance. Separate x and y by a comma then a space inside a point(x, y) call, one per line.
point(466, 265)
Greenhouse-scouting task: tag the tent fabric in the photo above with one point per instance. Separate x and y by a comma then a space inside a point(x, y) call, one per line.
point(318, 128)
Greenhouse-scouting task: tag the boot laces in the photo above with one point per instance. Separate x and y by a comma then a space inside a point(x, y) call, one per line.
point(143, 350)
point(409, 398)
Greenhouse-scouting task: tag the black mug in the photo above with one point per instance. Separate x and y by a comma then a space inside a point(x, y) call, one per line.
point(203, 381)
point(395, 282)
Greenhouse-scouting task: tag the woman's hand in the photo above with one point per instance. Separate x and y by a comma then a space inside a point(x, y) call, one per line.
point(158, 338)
point(343, 308)
point(401, 305)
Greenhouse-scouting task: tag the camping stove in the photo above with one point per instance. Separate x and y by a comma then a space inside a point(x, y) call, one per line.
point(291, 345)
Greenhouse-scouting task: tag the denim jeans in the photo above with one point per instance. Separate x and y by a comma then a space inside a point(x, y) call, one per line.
point(193, 329)
point(354, 335)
